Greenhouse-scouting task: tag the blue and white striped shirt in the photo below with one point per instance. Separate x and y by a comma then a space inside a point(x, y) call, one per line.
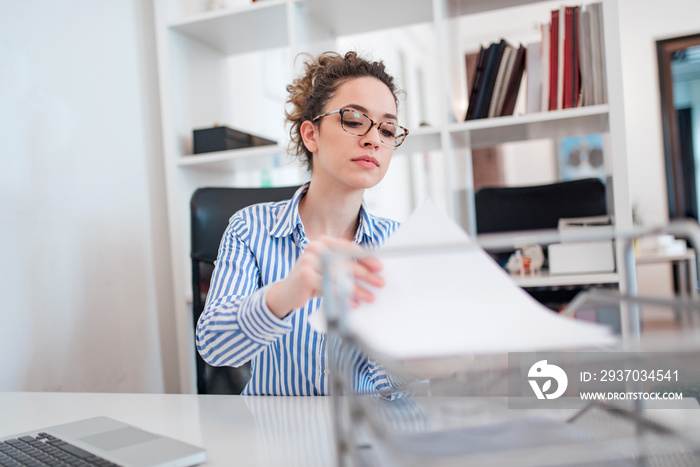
point(261, 244)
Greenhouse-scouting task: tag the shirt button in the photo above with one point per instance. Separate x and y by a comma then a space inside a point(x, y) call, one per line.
point(326, 371)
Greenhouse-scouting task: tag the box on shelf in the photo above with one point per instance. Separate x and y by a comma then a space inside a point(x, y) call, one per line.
point(582, 257)
point(222, 138)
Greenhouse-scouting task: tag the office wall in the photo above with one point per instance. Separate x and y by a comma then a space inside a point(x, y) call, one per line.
point(85, 279)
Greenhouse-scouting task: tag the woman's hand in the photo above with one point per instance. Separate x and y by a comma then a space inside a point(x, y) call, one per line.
point(304, 281)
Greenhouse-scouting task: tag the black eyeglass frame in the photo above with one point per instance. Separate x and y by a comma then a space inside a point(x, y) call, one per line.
point(372, 124)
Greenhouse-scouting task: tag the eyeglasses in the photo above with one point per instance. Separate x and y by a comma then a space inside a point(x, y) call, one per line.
point(359, 124)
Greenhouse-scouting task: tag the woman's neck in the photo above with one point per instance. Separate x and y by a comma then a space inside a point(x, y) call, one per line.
point(330, 211)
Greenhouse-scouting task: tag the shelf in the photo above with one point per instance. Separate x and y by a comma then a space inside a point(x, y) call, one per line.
point(361, 16)
point(238, 30)
point(554, 124)
point(237, 159)
point(456, 8)
point(421, 139)
point(544, 279)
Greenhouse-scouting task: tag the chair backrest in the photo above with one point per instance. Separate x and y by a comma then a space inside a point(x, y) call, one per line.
point(506, 209)
point(210, 211)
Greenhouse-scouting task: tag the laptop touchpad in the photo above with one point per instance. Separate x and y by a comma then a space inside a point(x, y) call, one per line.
point(118, 439)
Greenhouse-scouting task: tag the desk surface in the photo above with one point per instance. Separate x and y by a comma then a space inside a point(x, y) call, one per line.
point(235, 430)
point(238, 430)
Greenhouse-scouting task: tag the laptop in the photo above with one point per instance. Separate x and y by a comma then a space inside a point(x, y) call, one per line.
point(101, 442)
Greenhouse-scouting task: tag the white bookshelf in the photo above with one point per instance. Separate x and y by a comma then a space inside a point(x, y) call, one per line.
point(230, 67)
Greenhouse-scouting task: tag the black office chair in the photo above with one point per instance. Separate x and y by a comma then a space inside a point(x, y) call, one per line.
point(509, 209)
point(210, 210)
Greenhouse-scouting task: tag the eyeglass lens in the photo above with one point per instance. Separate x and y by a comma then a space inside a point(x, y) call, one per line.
point(358, 124)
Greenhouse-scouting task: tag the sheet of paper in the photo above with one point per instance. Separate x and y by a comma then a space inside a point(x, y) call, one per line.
point(445, 296)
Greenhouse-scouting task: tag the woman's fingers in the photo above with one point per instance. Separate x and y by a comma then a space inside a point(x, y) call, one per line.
point(362, 294)
point(363, 268)
point(371, 262)
point(362, 272)
point(304, 281)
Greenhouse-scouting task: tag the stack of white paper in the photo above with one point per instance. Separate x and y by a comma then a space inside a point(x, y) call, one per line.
point(444, 296)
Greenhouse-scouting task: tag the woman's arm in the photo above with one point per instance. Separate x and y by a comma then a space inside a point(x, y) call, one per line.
point(241, 318)
point(236, 323)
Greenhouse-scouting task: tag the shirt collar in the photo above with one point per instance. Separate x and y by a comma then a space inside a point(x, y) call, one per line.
point(288, 219)
point(365, 228)
point(288, 216)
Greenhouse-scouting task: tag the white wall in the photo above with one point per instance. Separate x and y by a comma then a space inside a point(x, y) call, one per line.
point(85, 273)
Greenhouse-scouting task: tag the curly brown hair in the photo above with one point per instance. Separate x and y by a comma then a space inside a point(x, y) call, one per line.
point(309, 93)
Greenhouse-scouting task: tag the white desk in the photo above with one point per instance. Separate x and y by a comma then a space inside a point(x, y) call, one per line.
point(235, 430)
point(247, 431)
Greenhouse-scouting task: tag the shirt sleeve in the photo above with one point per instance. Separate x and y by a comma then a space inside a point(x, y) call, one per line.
point(236, 323)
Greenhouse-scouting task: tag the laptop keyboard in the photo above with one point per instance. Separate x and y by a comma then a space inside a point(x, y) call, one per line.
point(46, 450)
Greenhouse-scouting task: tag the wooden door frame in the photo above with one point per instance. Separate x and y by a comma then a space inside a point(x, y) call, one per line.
point(674, 178)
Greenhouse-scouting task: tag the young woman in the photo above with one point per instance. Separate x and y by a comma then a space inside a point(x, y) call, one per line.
point(267, 279)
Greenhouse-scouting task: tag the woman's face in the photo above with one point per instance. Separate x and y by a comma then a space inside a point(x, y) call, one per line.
point(354, 162)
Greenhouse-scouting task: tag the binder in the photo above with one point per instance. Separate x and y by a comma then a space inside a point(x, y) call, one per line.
point(553, 59)
point(505, 68)
point(478, 77)
point(513, 89)
point(488, 81)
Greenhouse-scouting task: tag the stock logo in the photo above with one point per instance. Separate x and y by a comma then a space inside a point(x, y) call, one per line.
point(541, 371)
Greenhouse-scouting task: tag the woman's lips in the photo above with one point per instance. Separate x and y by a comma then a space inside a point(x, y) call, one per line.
point(366, 161)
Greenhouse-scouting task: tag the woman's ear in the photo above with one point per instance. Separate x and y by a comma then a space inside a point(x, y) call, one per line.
point(309, 133)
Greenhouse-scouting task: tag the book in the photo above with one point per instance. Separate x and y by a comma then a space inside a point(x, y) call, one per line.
point(489, 78)
point(516, 78)
point(565, 69)
point(560, 62)
point(597, 54)
point(533, 65)
point(576, 91)
point(499, 85)
point(506, 81)
point(598, 9)
point(478, 75)
point(584, 45)
point(568, 81)
point(471, 60)
point(544, 61)
point(553, 60)
point(567, 78)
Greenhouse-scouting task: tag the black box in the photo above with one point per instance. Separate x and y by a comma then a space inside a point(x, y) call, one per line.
point(222, 138)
